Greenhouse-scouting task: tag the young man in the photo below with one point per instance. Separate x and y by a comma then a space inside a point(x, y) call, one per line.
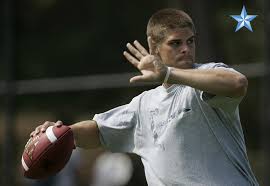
point(187, 131)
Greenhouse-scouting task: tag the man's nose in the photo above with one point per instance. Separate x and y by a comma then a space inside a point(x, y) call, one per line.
point(184, 49)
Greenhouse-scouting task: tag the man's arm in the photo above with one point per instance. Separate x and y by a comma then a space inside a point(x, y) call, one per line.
point(213, 81)
point(86, 133)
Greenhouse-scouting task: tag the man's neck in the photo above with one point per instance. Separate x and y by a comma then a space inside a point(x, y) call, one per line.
point(166, 85)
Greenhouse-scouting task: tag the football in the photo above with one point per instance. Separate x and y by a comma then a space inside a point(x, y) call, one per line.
point(47, 153)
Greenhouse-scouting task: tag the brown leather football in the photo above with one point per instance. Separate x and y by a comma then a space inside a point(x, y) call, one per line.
point(47, 153)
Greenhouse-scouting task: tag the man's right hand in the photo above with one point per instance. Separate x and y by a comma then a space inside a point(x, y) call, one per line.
point(86, 133)
point(42, 128)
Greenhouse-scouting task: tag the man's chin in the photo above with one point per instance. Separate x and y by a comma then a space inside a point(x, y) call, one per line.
point(184, 64)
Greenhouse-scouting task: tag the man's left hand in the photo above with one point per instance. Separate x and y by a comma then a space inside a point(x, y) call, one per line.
point(151, 66)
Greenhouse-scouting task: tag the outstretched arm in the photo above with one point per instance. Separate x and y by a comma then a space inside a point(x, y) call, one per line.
point(86, 133)
point(214, 81)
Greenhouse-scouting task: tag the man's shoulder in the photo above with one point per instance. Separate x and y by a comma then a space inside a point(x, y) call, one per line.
point(149, 93)
point(209, 65)
point(152, 91)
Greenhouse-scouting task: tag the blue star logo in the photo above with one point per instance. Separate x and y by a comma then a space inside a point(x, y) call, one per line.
point(243, 20)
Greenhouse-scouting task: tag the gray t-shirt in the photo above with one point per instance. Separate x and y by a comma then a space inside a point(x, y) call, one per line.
point(184, 136)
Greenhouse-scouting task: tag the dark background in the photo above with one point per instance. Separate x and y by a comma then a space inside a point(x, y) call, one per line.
point(52, 39)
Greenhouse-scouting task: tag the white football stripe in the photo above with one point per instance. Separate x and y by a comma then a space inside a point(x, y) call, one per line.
point(24, 165)
point(50, 134)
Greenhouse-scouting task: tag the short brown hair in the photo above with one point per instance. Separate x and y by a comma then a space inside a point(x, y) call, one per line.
point(167, 19)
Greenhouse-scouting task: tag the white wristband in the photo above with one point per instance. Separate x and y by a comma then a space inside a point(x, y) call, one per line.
point(167, 75)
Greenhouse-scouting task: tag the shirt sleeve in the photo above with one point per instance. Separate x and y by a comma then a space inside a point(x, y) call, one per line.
point(224, 102)
point(117, 127)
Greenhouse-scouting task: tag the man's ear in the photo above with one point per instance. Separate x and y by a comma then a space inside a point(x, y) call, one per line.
point(152, 45)
point(156, 49)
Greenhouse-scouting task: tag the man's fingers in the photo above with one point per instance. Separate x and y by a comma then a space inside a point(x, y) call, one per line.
point(131, 59)
point(45, 126)
point(37, 130)
point(139, 78)
point(134, 51)
point(140, 48)
point(42, 128)
point(135, 79)
point(150, 44)
point(58, 123)
point(32, 134)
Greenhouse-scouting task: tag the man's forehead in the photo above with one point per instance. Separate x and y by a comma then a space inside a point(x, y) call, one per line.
point(179, 33)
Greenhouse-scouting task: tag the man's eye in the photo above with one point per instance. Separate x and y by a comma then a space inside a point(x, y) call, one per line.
point(190, 41)
point(175, 43)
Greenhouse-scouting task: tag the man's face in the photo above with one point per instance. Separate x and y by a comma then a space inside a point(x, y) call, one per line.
point(178, 48)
